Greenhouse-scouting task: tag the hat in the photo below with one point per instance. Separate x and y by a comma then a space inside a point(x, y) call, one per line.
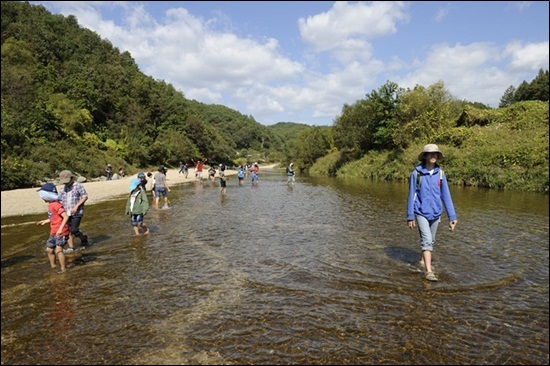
point(161, 168)
point(141, 175)
point(65, 176)
point(430, 148)
point(48, 187)
point(48, 192)
point(134, 183)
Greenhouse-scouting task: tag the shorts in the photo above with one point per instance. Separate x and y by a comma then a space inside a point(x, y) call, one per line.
point(223, 183)
point(136, 219)
point(56, 241)
point(161, 191)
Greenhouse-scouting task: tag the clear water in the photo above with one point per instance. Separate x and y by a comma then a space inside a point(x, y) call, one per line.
point(319, 273)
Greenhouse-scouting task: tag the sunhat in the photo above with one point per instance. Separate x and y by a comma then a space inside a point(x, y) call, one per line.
point(48, 187)
point(134, 183)
point(48, 192)
point(428, 149)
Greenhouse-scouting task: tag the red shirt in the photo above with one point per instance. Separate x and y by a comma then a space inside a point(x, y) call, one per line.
point(55, 209)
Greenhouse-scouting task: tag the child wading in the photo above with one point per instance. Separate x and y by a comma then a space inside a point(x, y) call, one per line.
point(137, 206)
point(59, 228)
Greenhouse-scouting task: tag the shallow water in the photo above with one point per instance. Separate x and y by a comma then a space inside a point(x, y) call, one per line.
point(319, 273)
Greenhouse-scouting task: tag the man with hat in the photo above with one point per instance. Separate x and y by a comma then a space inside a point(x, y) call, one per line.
point(59, 229)
point(73, 196)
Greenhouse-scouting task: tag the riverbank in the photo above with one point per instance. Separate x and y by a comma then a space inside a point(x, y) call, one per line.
point(21, 202)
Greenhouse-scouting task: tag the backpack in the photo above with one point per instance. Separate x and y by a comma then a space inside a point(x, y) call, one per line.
point(419, 178)
point(287, 170)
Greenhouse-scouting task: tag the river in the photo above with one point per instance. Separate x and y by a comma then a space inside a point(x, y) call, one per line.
point(322, 272)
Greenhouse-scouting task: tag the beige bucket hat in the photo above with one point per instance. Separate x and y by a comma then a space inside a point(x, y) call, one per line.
point(430, 148)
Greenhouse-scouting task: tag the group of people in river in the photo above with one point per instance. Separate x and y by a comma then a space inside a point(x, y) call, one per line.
point(428, 195)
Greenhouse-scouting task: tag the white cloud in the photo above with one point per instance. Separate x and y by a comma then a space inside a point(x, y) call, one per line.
point(530, 57)
point(209, 61)
point(347, 22)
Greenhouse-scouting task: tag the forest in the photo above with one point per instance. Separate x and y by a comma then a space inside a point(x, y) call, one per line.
point(71, 100)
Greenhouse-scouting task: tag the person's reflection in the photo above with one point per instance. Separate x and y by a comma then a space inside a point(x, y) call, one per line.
point(63, 318)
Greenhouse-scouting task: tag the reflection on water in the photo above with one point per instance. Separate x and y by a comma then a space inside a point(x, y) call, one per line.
point(319, 273)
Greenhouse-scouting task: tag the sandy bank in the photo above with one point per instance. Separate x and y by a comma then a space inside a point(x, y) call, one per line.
point(20, 202)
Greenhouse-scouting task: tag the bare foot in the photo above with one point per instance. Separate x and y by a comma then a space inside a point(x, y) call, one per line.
point(146, 232)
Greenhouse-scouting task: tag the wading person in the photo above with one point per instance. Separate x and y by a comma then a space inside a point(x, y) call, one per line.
point(73, 196)
point(161, 187)
point(59, 228)
point(290, 173)
point(428, 193)
point(223, 180)
point(137, 205)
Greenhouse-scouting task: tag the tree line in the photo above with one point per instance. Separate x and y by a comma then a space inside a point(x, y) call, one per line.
point(71, 100)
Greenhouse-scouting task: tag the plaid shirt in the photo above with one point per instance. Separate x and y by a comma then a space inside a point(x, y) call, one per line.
point(70, 196)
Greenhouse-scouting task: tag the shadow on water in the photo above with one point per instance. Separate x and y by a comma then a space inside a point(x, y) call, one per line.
point(322, 272)
point(405, 255)
point(11, 261)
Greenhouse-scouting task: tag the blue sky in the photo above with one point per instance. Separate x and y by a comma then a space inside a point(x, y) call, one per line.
point(301, 61)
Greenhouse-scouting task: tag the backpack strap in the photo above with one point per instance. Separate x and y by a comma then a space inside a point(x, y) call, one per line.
point(419, 177)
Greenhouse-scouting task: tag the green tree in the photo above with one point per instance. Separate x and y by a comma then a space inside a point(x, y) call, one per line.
point(426, 114)
point(313, 144)
point(507, 98)
point(370, 122)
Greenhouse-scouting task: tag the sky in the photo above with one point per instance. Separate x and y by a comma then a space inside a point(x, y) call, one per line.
point(302, 61)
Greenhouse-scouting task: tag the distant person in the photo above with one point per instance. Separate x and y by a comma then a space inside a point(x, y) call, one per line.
point(428, 193)
point(255, 174)
point(142, 180)
point(59, 227)
point(137, 205)
point(212, 174)
point(73, 196)
point(151, 186)
point(121, 172)
point(240, 175)
point(186, 170)
point(109, 172)
point(161, 187)
point(290, 173)
point(223, 180)
point(182, 167)
point(198, 168)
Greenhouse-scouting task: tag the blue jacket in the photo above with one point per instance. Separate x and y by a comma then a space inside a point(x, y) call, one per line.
point(432, 195)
